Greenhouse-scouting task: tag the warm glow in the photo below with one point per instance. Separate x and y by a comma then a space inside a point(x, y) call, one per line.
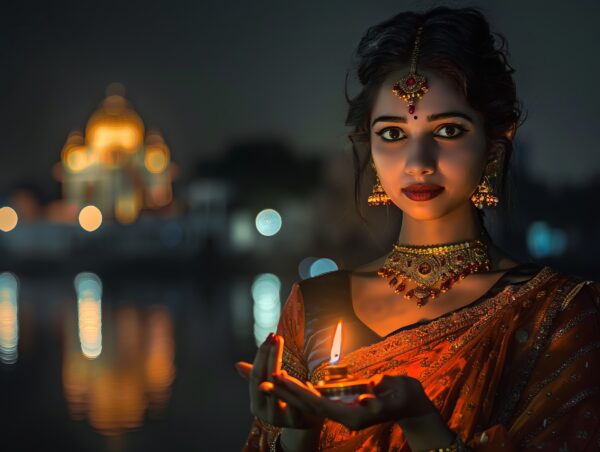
point(127, 208)
point(90, 218)
point(336, 348)
point(117, 135)
point(134, 373)
point(156, 159)
point(9, 324)
point(90, 326)
point(160, 362)
point(114, 126)
point(8, 219)
point(75, 159)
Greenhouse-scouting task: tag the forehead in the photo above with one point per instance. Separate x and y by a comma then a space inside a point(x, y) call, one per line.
point(441, 97)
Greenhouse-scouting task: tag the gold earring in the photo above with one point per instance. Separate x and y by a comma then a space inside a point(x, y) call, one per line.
point(484, 195)
point(378, 196)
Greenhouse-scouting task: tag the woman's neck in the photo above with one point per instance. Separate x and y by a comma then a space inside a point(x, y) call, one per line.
point(460, 225)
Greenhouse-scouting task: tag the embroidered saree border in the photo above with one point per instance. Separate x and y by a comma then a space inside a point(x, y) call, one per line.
point(562, 297)
point(477, 316)
point(293, 365)
point(580, 397)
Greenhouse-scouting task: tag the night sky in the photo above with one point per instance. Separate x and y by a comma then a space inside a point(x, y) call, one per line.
point(208, 74)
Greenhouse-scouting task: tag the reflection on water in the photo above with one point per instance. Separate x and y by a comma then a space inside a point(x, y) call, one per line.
point(89, 313)
point(135, 371)
point(124, 362)
point(9, 326)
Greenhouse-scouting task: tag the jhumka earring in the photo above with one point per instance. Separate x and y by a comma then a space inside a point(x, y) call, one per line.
point(378, 196)
point(484, 195)
point(412, 86)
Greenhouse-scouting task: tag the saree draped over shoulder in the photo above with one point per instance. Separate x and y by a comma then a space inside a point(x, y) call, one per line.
point(517, 369)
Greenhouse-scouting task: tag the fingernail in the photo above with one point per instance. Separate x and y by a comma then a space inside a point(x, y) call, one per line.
point(269, 339)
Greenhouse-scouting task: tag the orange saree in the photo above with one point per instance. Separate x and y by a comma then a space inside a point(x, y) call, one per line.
point(518, 370)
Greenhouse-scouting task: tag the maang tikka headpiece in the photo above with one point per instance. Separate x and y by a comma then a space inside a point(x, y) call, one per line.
point(412, 86)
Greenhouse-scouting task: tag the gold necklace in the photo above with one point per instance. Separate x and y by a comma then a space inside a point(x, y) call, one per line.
point(429, 265)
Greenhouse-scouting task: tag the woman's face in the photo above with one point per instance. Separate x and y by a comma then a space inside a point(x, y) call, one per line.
point(441, 143)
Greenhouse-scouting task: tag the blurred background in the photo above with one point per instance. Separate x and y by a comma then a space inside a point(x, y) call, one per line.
point(169, 169)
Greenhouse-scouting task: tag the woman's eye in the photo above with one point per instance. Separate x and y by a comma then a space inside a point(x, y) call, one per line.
point(451, 131)
point(391, 134)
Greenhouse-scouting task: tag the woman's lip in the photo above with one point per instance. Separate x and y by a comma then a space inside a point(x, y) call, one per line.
point(422, 192)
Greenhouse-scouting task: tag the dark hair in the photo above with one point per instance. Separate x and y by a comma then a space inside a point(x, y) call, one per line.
point(455, 44)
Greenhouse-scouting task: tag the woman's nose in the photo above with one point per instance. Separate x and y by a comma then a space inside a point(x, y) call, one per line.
point(421, 160)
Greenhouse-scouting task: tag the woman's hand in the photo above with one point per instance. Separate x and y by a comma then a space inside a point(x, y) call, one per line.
point(263, 402)
point(394, 398)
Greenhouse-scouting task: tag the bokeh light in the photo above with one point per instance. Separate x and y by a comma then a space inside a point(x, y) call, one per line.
point(544, 241)
point(90, 218)
point(266, 290)
point(9, 323)
point(156, 159)
point(304, 266)
point(89, 313)
point(268, 222)
point(323, 265)
point(8, 219)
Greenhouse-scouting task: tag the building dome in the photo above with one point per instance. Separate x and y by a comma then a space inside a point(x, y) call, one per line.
point(114, 131)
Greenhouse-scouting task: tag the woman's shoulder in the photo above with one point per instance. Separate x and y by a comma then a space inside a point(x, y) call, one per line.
point(566, 291)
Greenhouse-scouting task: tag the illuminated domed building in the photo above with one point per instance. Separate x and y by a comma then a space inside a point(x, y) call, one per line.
point(116, 166)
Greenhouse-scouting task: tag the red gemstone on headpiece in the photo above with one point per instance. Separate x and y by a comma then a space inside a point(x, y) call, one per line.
point(411, 109)
point(410, 81)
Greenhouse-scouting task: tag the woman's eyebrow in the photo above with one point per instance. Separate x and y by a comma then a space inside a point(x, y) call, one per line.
point(432, 117)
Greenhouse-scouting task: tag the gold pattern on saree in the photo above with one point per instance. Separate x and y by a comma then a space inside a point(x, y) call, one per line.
point(475, 317)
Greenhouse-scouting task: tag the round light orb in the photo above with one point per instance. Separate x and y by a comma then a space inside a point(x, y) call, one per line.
point(88, 285)
point(156, 159)
point(90, 218)
point(304, 266)
point(8, 219)
point(323, 265)
point(265, 291)
point(268, 222)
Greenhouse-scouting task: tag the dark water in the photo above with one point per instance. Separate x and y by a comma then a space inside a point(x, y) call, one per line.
point(162, 380)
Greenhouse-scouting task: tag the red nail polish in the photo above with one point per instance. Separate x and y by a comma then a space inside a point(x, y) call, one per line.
point(269, 339)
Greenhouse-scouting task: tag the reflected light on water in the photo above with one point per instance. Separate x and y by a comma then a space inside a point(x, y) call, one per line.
point(133, 374)
point(8, 219)
point(267, 305)
point(89, 313)
point(160, 358)
point(9, 324)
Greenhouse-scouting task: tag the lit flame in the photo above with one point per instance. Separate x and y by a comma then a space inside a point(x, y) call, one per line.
point(336, 348)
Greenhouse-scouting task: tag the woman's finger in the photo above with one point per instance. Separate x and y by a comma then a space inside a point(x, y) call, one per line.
point(243, 369)
point(292, 400)
point(259, 366)
point(275, 355)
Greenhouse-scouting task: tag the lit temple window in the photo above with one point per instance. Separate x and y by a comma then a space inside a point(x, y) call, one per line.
point(9, 319)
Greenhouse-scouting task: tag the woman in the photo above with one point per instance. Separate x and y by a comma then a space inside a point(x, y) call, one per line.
point(465, 348)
